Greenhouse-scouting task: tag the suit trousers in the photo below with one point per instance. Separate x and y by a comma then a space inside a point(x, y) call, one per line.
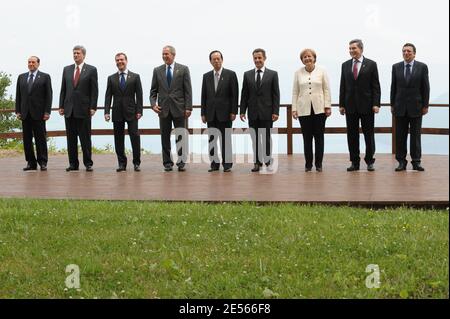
point(222, 133)
point(313, 127)
point(414, 125)
point(119, 141)
point(262, 141)
point(368, 129)
point(35, 128)
point(182, 141)
point(79, 128)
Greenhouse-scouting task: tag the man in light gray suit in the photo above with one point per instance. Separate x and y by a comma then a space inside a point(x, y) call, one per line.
point(171, 99)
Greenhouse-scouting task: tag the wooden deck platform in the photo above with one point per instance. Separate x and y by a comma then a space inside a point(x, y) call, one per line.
point(290, 183)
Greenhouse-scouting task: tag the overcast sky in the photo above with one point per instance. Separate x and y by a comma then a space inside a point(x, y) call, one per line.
point(50, 28)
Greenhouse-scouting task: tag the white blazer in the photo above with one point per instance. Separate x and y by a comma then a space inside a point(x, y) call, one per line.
point(311, 88)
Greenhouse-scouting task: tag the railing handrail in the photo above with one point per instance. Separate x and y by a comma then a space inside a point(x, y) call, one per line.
point(289, 130)
point(440, 105)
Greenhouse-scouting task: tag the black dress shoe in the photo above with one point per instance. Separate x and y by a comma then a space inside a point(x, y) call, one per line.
point(121, 169)
point(256, 168)
point(401, 167)
point(137, 168)
point(181, 169)
point(213, 169)
point(370, 168)
point(227, 170)
point(353, 168)
point(43, 167)
point(418, 167)
point(71, 168)
point(168, 168)
point(308, 169)
point(30, 168)
point(89, 169)
point(319, 168)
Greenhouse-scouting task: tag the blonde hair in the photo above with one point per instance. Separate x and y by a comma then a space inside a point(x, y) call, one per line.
point(304, 51)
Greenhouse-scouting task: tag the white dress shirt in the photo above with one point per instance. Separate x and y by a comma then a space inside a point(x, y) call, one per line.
point(412, 66)
point(263, 69)
point(361, 60)
point(34, 75)
point(75, 70)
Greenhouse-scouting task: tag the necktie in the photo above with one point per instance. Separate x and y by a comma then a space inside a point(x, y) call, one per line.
point(30, 82)
point(258, 79)
point(216, 81)
point(169, 76)
point(355, 69)
point(76, 77)
point(408, 73)
point(122, 81)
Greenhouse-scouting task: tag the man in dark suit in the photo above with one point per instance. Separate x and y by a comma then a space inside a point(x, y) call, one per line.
point(171, 99)
point(219, 108)
point(33, 106)
point(410, 95)
point(261, 97)
point(125, 88)
point(78, 103)
point(359, 100)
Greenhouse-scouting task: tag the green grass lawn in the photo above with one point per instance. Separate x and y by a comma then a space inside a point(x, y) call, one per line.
point(154, 250)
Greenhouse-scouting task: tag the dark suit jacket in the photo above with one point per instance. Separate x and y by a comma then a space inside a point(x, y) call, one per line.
point(126, 103)
point(224, 102)
point(81, 99)
point(361, 95)
point(178, 98)
point(408, 99)
point(263, 102)
point(38, 101)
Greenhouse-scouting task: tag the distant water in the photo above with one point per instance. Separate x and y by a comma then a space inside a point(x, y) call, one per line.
point(432, 144)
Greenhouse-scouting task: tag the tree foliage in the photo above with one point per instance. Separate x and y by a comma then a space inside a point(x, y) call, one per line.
point(8, 121)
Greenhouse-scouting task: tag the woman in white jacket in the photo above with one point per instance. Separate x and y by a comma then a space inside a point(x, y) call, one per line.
point(311, 104)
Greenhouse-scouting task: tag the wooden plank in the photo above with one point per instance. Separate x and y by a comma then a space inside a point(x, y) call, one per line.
point(289, 183)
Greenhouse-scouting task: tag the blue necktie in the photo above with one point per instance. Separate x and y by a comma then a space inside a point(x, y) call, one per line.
point(30, 82)
point(408, 73)
point(122, 81)
point(169, 76)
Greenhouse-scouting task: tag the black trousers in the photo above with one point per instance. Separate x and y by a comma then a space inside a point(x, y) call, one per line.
point(119, 141)
point(313, 127)
point(367, 125)
point(35, 128)
point(182, 141)
point(414, 126)
point(223, 134)
point(262, 141)
point(79, 128)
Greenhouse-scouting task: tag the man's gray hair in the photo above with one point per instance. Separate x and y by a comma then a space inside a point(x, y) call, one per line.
point(171, 49)
point(358, 42)
point(80, 47)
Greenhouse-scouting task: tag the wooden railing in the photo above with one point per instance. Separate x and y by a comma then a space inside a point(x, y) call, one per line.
point(289, 130)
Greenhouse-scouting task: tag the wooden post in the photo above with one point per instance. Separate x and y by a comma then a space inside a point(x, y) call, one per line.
point(290, 143)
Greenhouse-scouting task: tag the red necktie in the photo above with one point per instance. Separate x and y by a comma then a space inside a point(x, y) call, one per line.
point(355, 69)
point(76, 77)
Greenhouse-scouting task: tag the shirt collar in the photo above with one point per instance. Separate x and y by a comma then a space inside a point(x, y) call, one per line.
point(220, 71)
point(410, 63)
point(81, 66)
point(263, 69)
point(172, 66)
point(34, 73)
point(361, 59)
point(125, 72)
